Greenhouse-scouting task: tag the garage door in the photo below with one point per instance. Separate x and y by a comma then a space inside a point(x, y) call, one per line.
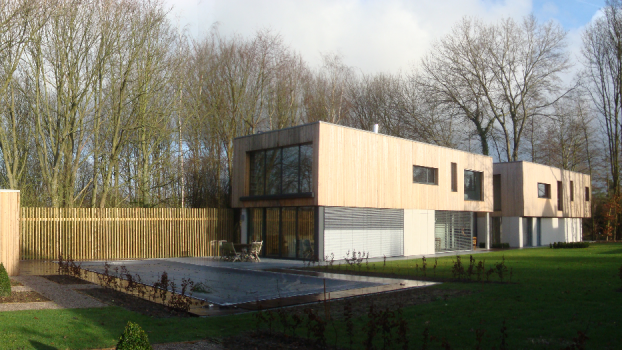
point(379, 232)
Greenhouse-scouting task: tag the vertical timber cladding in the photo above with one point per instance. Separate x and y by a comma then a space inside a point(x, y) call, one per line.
point(379, 232)
point(453, 230)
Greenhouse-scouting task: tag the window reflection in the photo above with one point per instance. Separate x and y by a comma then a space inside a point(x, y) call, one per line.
point(286, 170)
point(472, 185)
point(306, 161)
point(273, 171)
point(257, 173)
point(290, 169)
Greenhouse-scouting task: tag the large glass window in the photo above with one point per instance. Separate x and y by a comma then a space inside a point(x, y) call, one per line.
point(257, 172)
point(291, 168)
point(306, 233)
point(273, 220)
point(472, 185)
point(306, 162)
point(286, 170)
point(273, 171)
point(424, 175)
point(287, 232)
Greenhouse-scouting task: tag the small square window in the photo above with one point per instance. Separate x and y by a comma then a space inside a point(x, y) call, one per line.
point(544, 190)
point(424, 175)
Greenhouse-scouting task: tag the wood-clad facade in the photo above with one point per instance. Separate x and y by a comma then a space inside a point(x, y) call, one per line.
point(362, 169)
point(322, 190)
point(9, 230)
point(535, 205)
point(367, 193)
point(519, 191)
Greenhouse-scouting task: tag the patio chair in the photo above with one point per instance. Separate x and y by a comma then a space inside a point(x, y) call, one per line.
point(307, 250)
point(228, 252)
point(255, 250)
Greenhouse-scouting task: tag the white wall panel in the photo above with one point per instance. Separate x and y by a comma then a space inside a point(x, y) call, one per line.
point(418, 232)
point(512, 231)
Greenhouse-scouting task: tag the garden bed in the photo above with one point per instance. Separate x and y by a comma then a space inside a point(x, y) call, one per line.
point(23, 297)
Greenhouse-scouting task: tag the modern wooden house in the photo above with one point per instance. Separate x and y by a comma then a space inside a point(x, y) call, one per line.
point(321, 190)
point(535, 204)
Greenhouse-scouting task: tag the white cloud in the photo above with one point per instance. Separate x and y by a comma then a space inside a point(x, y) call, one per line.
point(374, 36)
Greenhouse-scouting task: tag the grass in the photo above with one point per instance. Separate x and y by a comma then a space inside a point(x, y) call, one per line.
point(102, 327)
point(557, 293)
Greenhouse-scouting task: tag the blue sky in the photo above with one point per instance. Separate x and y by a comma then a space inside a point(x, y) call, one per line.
point(571, 14)
point(370, 35)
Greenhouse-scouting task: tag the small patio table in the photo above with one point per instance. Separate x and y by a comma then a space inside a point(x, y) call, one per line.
point(242, 247)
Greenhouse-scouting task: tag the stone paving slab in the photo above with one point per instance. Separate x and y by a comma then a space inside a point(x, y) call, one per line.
point(61, 296)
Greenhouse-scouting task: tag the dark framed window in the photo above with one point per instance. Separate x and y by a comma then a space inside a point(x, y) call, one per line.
point(560, 196)
point(496, 191)
point(454, 177)
point(281, 171)
point(544, 190)
point(424, 175)
point(473, 185)
point(587, 194)
point(571, 191)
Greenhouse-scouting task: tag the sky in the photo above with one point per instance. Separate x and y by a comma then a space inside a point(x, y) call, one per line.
point(372, 36)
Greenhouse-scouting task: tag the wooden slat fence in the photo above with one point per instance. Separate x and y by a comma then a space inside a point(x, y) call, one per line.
point(122, 233)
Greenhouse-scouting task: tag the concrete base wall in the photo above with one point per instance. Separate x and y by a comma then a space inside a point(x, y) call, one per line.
point(418, 232)
point(512, 231)
point(553, 230)
point(573, 229)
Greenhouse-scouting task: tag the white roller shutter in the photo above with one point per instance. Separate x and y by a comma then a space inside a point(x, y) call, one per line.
point(379, 232)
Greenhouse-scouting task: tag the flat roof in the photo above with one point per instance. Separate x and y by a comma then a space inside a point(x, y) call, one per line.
point(548, 166)
point(360, 130)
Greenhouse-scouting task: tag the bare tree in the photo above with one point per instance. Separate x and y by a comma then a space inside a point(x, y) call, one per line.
point(19, 21)
point(457, 74)
point(326, 89)
point(602, 52)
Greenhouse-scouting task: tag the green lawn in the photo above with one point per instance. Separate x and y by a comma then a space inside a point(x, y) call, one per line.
point(557, 292)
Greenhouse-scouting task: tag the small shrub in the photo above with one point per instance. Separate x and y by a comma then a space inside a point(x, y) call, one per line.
point(5, 282)
point(501, 245)
point(482, 244)
point(471, 268)
point(500, 268)
point(133, 338)
point(481, 267)
point(562, 245)
point(458, 269)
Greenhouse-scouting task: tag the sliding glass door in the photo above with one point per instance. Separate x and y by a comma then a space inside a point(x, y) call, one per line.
point(286, 232)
